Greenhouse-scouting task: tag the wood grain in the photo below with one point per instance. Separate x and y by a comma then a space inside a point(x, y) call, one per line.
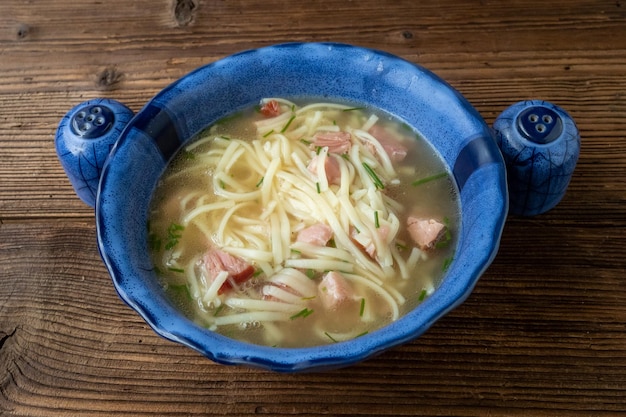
point(543, 333)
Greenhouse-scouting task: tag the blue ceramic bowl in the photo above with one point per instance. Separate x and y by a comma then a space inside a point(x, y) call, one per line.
point(183, 109)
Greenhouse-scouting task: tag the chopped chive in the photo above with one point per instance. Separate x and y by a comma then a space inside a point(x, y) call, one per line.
point(446, 264)
point(330, 337)
point(257, 272)
point(361, 334)
point(188, 155)
point(377, 182)
point(447, 237)
point(443, 243)
point(258, 184)
point(284, 129)
point(173, 234)
point(154, 242)
point(180, 270)
point(332, 243)
point(429, 179)
point(318, 149)
point(306, 142)
point(422, 295)
point(317, 186)
point(268, 133)
point(334, 123)
point(218, 310)
point(302, 313)
point(296, 251)
point(308, 298)
point(224, 137)
point(362, 309)
point(354, 108)
point(181, 289)
point(376, 221)
point(310, 273)
point(345, 156)
point(222, 185)
point(400, 246)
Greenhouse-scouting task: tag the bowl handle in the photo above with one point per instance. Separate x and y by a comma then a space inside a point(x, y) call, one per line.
point(539, 141)
point(540, 144)
point(84, 139)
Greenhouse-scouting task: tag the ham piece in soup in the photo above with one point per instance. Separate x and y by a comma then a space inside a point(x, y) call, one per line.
point(216, 261)
point(425, 232)
point(318, 234)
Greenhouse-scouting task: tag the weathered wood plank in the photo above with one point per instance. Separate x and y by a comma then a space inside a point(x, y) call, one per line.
point(543, 333)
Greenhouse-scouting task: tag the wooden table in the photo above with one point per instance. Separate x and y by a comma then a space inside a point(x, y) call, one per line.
point(544, 332)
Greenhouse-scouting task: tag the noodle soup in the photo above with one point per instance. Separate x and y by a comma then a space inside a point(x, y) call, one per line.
point(302, 224)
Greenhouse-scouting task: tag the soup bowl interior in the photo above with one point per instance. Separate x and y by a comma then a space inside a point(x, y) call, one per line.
point(326, 71)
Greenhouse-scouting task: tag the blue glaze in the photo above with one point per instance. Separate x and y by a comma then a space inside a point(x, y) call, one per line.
point(329, 71)
point(84, 139)
point(541, 145)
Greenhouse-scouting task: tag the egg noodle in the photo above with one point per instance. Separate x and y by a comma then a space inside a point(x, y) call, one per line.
point(260, 192)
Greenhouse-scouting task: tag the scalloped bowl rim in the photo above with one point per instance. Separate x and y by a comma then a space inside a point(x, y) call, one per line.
point(416, 89)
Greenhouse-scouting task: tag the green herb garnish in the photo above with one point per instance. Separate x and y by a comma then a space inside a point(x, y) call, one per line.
point(370, 171)
point(302, 313)
point(173, 234)
point(330, 337)
point(361, 334)
point(317, 186)
point(154, 242)
point(268, 133)
point(310, 273)
point(258, 184)
point(376, 221)
point(362, 309)
point(179, 270)
point(181, 290)
point(446, 264)
point(218, 310)
point(306, 142)
point(422, 295)
point(284, 129)
point(188, 155)
point(429, 179)
point(354, 108)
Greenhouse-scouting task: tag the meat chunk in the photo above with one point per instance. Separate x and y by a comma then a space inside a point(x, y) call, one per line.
point(331, 168)
point(318, 234)
point(337, 142)
point(425, 232)
point(216, 261)
point(390, 143)
point(334, 290)
point(270, 108)
point(366, 242)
